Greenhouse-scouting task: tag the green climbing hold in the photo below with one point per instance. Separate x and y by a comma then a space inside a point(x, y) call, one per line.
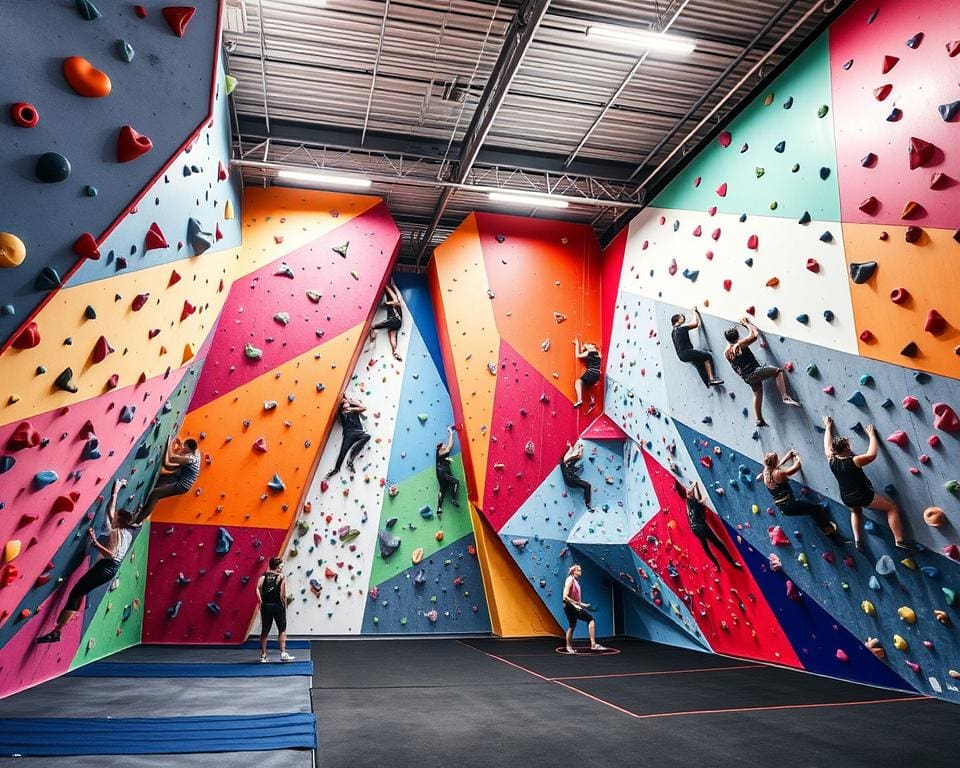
point(759, 171)
point(773, 205)
point(822, 110)
point(950, 595)
point(812, 370)
point(422, 417)
point(252, 353)
point(88, 10)
point(952, 486)
point(90, 191)
point(230, 84)
point(125, 51)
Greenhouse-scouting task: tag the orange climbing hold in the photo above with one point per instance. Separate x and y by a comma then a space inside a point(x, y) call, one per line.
point(85, 78)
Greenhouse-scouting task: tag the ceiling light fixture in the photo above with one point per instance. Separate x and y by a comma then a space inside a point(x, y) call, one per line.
point(325, 179)
point(531, 201)
point(640, 38)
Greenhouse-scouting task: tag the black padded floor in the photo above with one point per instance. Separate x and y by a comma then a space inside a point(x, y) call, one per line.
point(434, 703)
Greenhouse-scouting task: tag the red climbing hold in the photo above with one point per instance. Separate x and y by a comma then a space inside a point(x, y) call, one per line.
point(131, 145)
point(952, 551)
point(23, 114)
point(889, 62)
point(155, 238)
point(722, 190)
point(178, 17)
point(221, 171)
point(174, 278)
point(101, 349)
point(24, 436)
point(715, 234)
point(706, 461)
point(260, 445)
point(898, 438)
point(945, 418)
point(139, 301)
point(140, 11)
point(777, 537)
point(28, 338)
point(10, 575)
point(935, 323)
point(813, 265)
point(751, 310)
point(913, 235)
point(899, 295)
point(65, 503)
point(86, 247)
point(870, 206)
point(792, 591)
point(911, 210)
point(910, 403)
point(218, 235)
point(727, 285)
point(188, 309)
point(724, 139)
point(953, 48)
point(753, 242)
point(882, 92)
point(921, 152)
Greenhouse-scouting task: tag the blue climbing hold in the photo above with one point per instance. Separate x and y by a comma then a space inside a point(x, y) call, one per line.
point(857, 399)
point(885, 566)
point(6, 463)
point(930, 571)
point(873, 583)
point(45, 477)
point(803, 318)
point(174, 609)
point(48, 280)
point(425, 512)
point(91, 450)
point(828, 315)
point(866, 380)
point(949, 111)
point(276, 484)
point(127, 413)
point(781, 146)
point(224, 541)
point(691, 274)
point(7, 310)
point(773, 313)
point(199, 240)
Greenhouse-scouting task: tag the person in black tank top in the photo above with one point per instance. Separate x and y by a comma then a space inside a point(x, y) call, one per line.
point(745, 363)
point(446, 480)
point(354, 435)
point(697, 518)
point(571, 474)
point(590, 354)
point(272, 599)
point(776, 476)
point(394, 321)
point(702, 361)
point(180, 469)
point(856, 490)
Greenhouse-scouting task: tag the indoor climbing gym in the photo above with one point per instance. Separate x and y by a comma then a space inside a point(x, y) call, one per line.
point(480, 383)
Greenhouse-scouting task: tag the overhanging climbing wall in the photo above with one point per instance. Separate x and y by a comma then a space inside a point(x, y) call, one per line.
point(827, 212)
point(106, 295)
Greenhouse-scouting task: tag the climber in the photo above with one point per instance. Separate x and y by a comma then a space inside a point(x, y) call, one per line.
point(744, 362)
point(272, 600)
point(445, 477)
point(117, 530)
point(697, 517)
point(856, 491)
point(570, 469)
point(577, 611)
point(776, 476)
point(590, 354)
point(354, 435)
point(181, 468)
point(394, 321)
point(702, 361)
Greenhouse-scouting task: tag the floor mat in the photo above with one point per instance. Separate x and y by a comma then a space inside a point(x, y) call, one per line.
point(176, 669)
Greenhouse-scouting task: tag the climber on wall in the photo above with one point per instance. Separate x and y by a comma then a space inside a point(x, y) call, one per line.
point(590, 354)
point(776, 475)
point(697, 517)
point(575, 610)
point(445, 478)
point(747, 366)
point(702, 361)
point(354, 435)
point(117, 532)
point(394, 321)
point(272, 601)
point(181, 468)
point(570, 469)
point(856, 491)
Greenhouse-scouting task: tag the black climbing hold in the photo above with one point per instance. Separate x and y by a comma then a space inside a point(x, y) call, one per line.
point(65, 381)
point(90, 313)
point(949, 111)
point(914, 42)
point(887, 404)
point(911, 350)
point(88, 10)
point(6, 463)
point(47, 280)
point(143, 451)
point(847, 64)
point(805, 219)
point(869, 160)
point(873, 16)
point(824, 173)
point(921, 378)
point(781, 146)
point(388, 544)
point(743, 217)
point(788, 103)
point(895, 114)
point(826, 237)
point(52, 167)
point(861, 273)
point(956, 235)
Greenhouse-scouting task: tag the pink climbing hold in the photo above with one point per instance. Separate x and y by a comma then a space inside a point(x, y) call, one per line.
point(952, 551)
point(935, 323)
point(910, 403)
point(793, 593)
point(155, 238)
point(945, 418)
point(697, 231)
point(913, 665)
point(829, 389)
point(921, 152)
point(724, 139)
point(672, 268)
point(715, 234)
point(722, 190)
point(260, 445)
point(777, 537)
point(842, 655)
point(813, 265)
point(933, 441)
point(899, 438)
point(899, 295)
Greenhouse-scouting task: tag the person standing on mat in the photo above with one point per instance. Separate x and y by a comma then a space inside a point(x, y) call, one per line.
point(697, 517)
point(702, 361)
point(570, 469)
point(590, 354)
point(575, 610)
point(745, 363)
point(354, 435)
point(856, 490)
point(776, 475)
point(394, 321)
point(181, 468)
point(118, 535)
point(445, 478)
point(272, 599)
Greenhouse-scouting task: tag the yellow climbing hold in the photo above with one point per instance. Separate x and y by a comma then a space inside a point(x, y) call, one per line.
point(228, 213)
point(907, 614)
point(11, 550)
point(755, 509)
point(899, 643)
point(803, 560)
point(12, 250)
point(417, 555)
point(909, 563)
point(868, 608)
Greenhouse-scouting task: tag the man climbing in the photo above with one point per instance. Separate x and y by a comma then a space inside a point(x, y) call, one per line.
point(272, 599)
point(590, 354)
point(445, 479)
point(394, 321)
point(697, 517)
point(180, 470)
point(118, 536)
point(747, 366)
point(856, 490)
point(570, 469)
point(702, 361)
point(354, 435)
point(575, 610)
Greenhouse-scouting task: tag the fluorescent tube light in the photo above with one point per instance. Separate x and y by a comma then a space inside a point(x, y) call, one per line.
point(641, 38)
point(531, 201)
point(324, 179)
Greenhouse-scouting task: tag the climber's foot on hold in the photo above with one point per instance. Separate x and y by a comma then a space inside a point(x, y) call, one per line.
point(455, 503)
point(738, 565)
point(330, 474)
point(50, 637)
point(350, 468)
point(906, 544)
point(762, 423)
point(791, 401)
point(396, 356)
point(578, 403)
point(714, 382)
point(858, 545)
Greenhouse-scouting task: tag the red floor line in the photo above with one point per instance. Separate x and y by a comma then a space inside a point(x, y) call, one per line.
point(498, 658)
point(662, 672)
point(595, 698)
point(779, 707)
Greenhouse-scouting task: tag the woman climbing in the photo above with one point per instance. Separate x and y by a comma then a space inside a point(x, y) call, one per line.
point(856, 491)
point(745, 363)
point(590, 354)
point(180, 470)
point(575, 610)
point(697, 517)
point(394, 321)
point(445, 477)
point(776, 475)
point(570, 469)
point(118, 534)
point(702, 361)
point(354, 435)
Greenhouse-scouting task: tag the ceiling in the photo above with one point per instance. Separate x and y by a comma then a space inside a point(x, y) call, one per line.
point(441, 101)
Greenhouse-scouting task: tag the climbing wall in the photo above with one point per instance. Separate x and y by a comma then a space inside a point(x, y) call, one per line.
point(826, 212)
point(103, 305)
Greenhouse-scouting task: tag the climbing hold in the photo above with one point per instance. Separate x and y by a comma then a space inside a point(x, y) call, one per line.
point(44, 478)
point(907, 614)
point(949, 595)
point(942, 616)
point(691, 274)
point(914, 42)
point(724, 139)
point(753, 242)
point(803, 318)
point(12, 250)
point(155, 238)
point(813, 266)
point(882, 92)
point(101, 349)
point(260, 445)
point(125, 51)
point(921, 152)
point(824, 173)
point(773, 282)
point(85, 79)
point(868, 608)
point(28, 338)
point(788, 103)
point(178, 17)
point(23, 114)
point(793, 593)
point(866, 335)
point(64, 381)
point(870, 205)
point(276, 484)
point(935, 323)
point(24, 436)
point(913, 235)
point(282, 317)
point(873, 645)
point(949, 111)
point(52, 167)
point(131, 144)
point(86, 247)
point(898, 438)
point(188, 309)
point(842, 655)
point(417, 555)
point(11, 549)
point(722, 190)
point(868, 160)
point(388, 544)
point(777, 537)
point(6, 463)
point(945, 418)
point(911, 209)
point(885, 566)
point(224, 541)
point(895, 114)
point(773, 313)
point(828, 315)
point(899, 643)
point(780, 147)
point(952, 551)
point(139, 301)
point(889, 62)
point(342, 249)
point(126, 414)
point(857, 399)
point(199, 240)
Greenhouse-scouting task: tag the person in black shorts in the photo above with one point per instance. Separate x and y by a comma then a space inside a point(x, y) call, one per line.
point(272, 599)
point(570, 469)
point(697, 517)
point(856, 491)
point(181, 468)
point(118, 532)
point(590, 354)
point(747, 366)
point(394, 321)
point(445, 477)
point(702, 361)
point(575, 610)
point(354, 435)
point(776, 475)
